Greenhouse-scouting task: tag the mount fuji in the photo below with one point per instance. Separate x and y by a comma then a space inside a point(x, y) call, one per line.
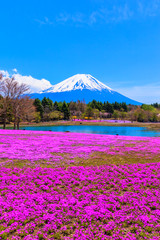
point(83, 87)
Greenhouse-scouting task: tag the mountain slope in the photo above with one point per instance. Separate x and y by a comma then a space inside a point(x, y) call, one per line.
point(83, 87)
point(78, 82)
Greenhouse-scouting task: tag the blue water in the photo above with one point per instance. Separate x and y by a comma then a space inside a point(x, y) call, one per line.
point(110, 130)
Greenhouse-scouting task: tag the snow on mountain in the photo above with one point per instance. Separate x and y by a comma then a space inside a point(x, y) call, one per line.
point(35, 85)
point(78, 82)
point(81, 87)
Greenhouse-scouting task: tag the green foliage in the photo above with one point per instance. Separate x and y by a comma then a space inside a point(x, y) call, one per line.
point(148, 107)
point(108, 107)
point(39, 108)
point(116, 115)
point(65, 110)
point(56, 115)
point(154, 118)
point(49, 111)
point(56, 106)
point(156, 105)
point(123, 115)
point(47, 103)
point(141, 117)
point(89, 112)
point(95, 113)
point(37, 117)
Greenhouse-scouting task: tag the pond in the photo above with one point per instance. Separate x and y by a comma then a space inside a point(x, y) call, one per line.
point(108, 130)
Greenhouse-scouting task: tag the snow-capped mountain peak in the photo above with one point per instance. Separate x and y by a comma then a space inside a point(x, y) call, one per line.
point(78, 82)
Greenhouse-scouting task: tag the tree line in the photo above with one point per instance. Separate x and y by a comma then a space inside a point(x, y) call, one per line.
point(47, 110)
point(16, 107)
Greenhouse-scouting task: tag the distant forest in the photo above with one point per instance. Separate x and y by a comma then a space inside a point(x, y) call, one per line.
point(47, 110)
point(17, 107)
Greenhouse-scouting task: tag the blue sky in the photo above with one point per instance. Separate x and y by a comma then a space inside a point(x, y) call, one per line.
point(116, 41)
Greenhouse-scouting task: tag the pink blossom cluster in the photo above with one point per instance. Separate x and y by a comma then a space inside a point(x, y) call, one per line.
point(107, 202)
point(80, 203)
point(102, 120)
point(53, 147)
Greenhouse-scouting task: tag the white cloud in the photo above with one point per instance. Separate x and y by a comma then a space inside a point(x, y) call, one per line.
point(35, 85)
point(15, 70)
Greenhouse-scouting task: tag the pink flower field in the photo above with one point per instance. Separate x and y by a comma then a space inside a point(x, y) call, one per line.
point(78, 186)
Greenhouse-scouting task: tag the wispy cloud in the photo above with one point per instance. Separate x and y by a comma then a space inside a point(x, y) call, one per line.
point(148, 8)
point(45, 21)
point(108, 13)
point(102, 15)
point(115, 13)
point(149, 93)
point(65, 17)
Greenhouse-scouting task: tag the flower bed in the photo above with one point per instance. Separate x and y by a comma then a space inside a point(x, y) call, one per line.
point(31, 148)
point(78, 186)
point(109, 202)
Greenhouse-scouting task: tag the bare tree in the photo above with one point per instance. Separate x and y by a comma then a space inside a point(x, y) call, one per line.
point(22, 109)
point(11, 92)
point(12, 89)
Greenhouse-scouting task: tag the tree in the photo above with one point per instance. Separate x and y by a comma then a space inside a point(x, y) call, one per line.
point(115, 115)
point(56, 115)
point(1, 81)
point(37, 117)
point(96, 113)
point(89, 112)
point(154, 117)
point(116, 106)
point(38, 105)
point(47, 105)
point(148, 107)
point(11, 91)
point(123, 115)
point(141, 117)
point(124, 107)
point(109, 108)
point(22, 109)
point(72, 108)
point(65, 111)
point(55, 106)
point(81, 106)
